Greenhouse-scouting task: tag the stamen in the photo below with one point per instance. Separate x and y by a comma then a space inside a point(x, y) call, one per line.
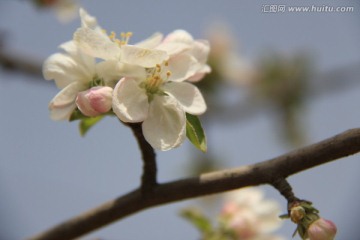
point(158, 68)
point(112, 35)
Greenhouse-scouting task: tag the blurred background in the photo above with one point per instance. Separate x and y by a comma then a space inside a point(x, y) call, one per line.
point(280, 80)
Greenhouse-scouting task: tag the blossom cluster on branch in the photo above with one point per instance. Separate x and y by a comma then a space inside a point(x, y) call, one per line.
point(148, 82)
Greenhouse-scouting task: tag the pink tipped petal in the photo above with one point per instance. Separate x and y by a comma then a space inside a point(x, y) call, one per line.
point(95, 101)
point(322, 229)
point(130, 102)
point(188, 95)
point(165, 127)
point(197, 77)
point(142, 56)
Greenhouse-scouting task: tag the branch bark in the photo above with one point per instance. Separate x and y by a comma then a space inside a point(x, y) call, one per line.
point(148, 178)
point(266, 172)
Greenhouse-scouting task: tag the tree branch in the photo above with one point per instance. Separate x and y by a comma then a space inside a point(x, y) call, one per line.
point(20, 63)
point(266, 172)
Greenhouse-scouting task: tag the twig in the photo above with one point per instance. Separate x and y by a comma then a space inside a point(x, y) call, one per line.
point(336, 147)
point(19, 63)
point(148, 179)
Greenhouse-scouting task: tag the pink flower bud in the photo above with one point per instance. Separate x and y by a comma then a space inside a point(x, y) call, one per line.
point(322, 229)
point(95, 101)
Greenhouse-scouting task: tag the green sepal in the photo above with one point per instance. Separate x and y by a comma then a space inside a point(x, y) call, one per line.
point(195, 132)
point(87, 123)
point(201, 222)
point(77, 115)
point(284, 216)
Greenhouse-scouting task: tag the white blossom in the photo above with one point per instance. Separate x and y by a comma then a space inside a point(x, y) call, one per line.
point(229, 64)
point(96, 43)
point(180, 42)
point(250, 216)
point(72, 71)
point(159, 98)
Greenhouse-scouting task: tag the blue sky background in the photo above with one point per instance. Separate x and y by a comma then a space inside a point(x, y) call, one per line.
point(49, 173)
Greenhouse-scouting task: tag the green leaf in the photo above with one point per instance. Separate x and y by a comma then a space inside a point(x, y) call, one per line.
point(200, 221)
point(86, 123)
point(195, 133)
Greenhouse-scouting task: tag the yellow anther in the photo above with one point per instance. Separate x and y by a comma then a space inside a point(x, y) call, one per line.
point(168, 73)
point(129, 34)
point(158, 68)
point(112, 35)
point(166, 63)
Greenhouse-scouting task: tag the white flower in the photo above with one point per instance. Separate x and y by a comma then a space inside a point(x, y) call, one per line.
point(251, 216)
point(94, 101)
point(159, 98)
point(180, 42)
point(96, 43)
point(228, 63)
point(72, 72)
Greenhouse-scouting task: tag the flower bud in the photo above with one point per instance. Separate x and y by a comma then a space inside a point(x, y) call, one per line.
point(322, 229)
point(95, 101)
point(297, 213)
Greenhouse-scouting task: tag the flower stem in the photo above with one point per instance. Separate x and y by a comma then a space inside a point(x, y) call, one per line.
point(148, 179)
point(283, 186)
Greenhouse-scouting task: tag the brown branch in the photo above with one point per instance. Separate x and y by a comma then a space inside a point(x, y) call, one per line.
point(148, 179)
point(266, 172)
point(27, 65)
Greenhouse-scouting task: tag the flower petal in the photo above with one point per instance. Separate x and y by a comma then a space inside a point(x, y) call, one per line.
point(179, 36)
point(151, 42)
point(188, 95)
point(200, 51)
point(87, 20)
point(181, 67)
point(165, 126)
point(64, 70)
point(63, 104)
point(174, 48)
point(96, 44)
point(130, 102)
point(142, 56)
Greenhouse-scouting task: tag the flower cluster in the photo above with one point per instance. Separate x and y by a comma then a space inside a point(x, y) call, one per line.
point(245, 215)
point(148, 82)
point(249, 216)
